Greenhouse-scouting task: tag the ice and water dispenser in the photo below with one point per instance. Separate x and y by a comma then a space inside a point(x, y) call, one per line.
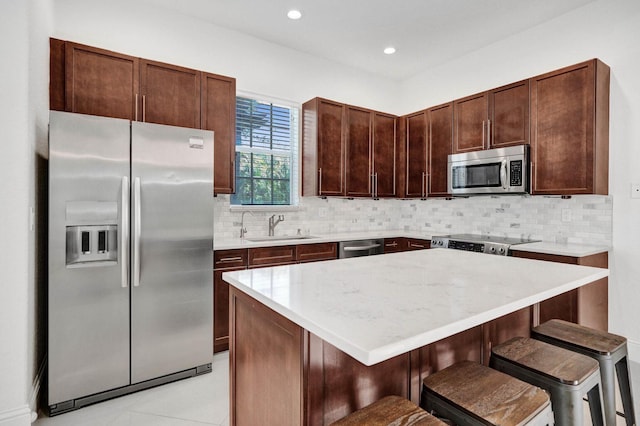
point(92, 233)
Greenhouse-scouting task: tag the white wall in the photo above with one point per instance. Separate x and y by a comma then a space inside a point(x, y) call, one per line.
point(23, 83)
point(609, 30)
point(259, 67)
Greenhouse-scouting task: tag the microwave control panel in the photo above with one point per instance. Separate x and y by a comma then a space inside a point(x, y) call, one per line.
point(515, 173)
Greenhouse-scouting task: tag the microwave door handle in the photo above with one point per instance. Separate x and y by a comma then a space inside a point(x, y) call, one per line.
point(503, 174)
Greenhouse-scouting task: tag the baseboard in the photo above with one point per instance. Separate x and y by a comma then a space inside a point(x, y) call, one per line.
point(634, 350)
point(34, 397)
point(20, 416)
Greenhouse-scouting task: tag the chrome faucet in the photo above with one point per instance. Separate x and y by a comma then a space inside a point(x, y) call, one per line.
point(273, 222)
point(243, 230)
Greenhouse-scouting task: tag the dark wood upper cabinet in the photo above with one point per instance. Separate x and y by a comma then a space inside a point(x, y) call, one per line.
point(570, 130)
point(384, 155)
point(415, 156)
point(99, 82)
point(440, 145)
point(323, 148)
point(470, 121)
point(371, 153)
point(347, 150)
point(509, 115)
point(219, 114)
point(493, 119)
point(169, 95)
point(89, 80)
point(358, 149)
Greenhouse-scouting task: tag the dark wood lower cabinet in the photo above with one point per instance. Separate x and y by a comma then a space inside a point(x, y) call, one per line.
point(587, 305)
point(283, 374)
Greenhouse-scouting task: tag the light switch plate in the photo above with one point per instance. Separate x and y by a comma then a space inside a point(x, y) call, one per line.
point(635, 190)
point(566, 215)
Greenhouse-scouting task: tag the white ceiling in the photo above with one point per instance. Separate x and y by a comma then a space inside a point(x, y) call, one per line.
point(426, 33)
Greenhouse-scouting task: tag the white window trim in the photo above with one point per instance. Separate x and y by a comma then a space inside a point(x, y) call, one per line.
point(295, 197)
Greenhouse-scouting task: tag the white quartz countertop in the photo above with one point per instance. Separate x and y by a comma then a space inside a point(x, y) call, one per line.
point(236, 243)
point(567, 249)
point(574, 250)
point(377, 307)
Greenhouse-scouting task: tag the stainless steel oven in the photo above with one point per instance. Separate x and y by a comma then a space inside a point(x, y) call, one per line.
point(488, 244)
point(492, 171)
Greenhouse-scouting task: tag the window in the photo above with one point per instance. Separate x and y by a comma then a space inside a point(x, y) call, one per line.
point(266, 153)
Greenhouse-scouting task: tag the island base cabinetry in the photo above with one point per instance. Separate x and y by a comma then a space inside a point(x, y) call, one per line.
point(283, 374)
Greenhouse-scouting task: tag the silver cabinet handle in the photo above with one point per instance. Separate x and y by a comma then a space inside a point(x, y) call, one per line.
point(375, 184)
point(424, 179)
point(320, 181)
point(393, 244)
point(136, 111)
point(503, 174)
point(488, 133)
point(483, 132)
point(361, 248)
point(123, 252)
point(136, 232)
point(144, 108)
point(230, 259)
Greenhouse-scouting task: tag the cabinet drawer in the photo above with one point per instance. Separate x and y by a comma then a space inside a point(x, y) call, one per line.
point(313, 252)
point(271, 256)
point(416, 244)
point(395, 245)
point(235, 258)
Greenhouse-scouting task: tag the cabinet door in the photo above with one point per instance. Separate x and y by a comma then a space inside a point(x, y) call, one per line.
point(418, 244)
point(219, 115)
point(331, 180)
point(316, 252)
point(440, 140)
point(470, 119)
point(271, 256)
point(170, 95)
point(416, 155)
point(100, 82)
point(395, 245)
point(358, 172)
point(569, 130)
point(509, 118)
point(221, 310)
point(384, 155)
point(499, 330)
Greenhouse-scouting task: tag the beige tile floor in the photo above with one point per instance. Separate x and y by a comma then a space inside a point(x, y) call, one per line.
point(197, 401)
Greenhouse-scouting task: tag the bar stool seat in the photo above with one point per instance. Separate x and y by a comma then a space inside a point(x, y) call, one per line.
point(468, 393)
point(610, 350)
point(390, 410)
point(567, 376)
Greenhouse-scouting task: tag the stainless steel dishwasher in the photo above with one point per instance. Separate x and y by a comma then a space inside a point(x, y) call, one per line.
point(360, 248)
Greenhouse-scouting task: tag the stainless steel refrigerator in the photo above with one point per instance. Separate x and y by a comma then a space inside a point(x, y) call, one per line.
point(130, 257)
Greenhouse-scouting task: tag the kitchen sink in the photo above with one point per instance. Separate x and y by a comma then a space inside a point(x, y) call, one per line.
point(280, 238)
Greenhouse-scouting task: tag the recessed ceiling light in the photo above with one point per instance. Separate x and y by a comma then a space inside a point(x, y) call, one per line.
point(389, 50)
point(294, 14)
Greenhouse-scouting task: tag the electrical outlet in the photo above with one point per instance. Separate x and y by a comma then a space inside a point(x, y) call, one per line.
point(635, 190)
point(322, 212)
point(566, 215)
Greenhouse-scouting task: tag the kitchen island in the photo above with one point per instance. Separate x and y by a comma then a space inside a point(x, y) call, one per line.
point(311, 343)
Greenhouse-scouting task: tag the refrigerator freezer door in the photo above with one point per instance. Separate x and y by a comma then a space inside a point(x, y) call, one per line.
point(172, 250)
point(88, 306)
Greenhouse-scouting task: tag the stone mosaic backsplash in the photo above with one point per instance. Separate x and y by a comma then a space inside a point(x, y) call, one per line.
point(584, 219)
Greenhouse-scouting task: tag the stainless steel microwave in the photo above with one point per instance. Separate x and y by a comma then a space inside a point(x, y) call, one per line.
point(492, 171)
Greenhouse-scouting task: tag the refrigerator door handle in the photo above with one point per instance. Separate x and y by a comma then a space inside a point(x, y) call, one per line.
point(124, 233)
point(136, 232)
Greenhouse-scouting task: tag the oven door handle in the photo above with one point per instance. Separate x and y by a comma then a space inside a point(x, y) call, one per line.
point(360, 248)
point(503, 174)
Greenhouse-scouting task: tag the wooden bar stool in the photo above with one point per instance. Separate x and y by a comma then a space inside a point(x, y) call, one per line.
point(472, 394)
point(390, 410)
point(566, 375)
point(608, 349)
